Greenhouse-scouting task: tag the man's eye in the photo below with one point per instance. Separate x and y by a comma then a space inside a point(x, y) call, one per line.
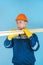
point(18, 21)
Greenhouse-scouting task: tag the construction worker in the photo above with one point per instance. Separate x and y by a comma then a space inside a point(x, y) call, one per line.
point(23, 45)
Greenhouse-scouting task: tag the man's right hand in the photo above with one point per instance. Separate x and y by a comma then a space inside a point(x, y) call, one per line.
point(10, 37)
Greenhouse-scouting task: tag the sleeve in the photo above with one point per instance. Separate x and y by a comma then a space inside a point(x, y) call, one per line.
point(8, 43)
point(34, 42)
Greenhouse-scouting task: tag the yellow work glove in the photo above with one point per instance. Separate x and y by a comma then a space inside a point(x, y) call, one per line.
point(10, 37)
point(27, 32)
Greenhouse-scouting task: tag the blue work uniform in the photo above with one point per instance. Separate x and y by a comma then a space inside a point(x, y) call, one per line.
point(23, 49)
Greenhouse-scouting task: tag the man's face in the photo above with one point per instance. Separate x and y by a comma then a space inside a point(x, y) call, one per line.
point(21, 24)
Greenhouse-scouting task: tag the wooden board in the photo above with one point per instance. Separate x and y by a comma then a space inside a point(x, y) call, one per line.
point(6, 33)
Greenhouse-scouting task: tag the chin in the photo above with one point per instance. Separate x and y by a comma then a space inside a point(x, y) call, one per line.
point(19, 28)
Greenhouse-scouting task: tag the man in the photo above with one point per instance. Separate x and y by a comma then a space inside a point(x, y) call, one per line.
point(23, 45)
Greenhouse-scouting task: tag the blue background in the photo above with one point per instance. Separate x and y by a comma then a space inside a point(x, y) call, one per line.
point(9, 9)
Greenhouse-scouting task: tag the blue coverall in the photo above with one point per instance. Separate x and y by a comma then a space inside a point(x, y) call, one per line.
point(23, 49)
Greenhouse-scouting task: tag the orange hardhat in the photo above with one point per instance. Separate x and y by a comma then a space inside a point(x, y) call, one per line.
point(21, 17)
